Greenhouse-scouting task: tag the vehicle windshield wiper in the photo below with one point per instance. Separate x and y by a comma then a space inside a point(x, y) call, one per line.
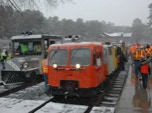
point(54, 53)
point(75, 53)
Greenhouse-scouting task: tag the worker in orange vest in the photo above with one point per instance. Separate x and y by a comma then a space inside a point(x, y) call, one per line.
point(148, 50)
point(45, 76)
point(145, 71)
point(138, 54)
point(132, 49)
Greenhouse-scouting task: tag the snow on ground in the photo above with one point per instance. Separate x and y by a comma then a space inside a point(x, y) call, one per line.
point(11, 105)
point(62, 108)
point(103, 110)
point(67, 108)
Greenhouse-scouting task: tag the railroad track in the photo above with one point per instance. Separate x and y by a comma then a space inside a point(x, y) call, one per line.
point(110, 96)
point(106, 99)
point(6, 89)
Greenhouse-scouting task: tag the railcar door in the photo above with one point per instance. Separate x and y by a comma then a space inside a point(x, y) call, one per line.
point(49, 41)
point(98, 64)
point(105, 61)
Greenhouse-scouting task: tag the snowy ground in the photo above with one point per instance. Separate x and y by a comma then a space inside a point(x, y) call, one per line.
point(10, 105)
point(17, 105)
point(13, 104)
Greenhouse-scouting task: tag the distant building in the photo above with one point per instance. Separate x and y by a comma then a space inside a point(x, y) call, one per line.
point(116, 37)
point(127, 37)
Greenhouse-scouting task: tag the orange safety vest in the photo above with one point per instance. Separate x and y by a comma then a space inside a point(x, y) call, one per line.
point(44, 66)
point(139, 54)
point(148, 52)
point(144, 69)
point(132, 49)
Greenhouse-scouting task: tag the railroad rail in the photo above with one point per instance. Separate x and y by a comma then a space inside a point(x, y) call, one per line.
point(7, 89)
point(110, 96)
point(107, 98)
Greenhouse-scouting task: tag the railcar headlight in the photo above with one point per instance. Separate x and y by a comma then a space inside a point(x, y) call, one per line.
point(25, 65)
point(55, 66)
point(77, 66)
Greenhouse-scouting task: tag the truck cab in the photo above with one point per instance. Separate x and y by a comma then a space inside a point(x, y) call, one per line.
point(28, 50)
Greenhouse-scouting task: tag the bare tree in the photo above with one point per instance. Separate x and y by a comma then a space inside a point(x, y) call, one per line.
point(150, 14)
point(138, 29)
point(30, 4)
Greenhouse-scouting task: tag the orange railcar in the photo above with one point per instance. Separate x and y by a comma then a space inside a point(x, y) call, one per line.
point(76, 68)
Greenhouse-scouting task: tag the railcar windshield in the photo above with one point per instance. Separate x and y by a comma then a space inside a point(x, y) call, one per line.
point(27, 48)
point(81, 56)
point(59, 57)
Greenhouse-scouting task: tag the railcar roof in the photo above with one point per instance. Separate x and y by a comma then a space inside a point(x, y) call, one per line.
point(38, 36)
point(107, 45)
point(76, 44)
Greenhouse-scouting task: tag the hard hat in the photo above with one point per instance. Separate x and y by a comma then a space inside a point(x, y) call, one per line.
point(147, 46)
point(142, 46)
point(138, 44)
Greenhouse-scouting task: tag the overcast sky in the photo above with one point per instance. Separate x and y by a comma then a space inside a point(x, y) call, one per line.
point(119, 12)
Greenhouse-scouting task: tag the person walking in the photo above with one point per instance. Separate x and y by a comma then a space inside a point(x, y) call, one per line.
point(45, 76)
point(132, 49)
point(148, 51)
point(123, 59)
point(138, 54)
point(4, 56)
point(145, 71)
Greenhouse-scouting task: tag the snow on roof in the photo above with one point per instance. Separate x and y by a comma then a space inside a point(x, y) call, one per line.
point(26, 37)
point(127, 34)
point(114, 34)
point(119, 34)
point(38, 36)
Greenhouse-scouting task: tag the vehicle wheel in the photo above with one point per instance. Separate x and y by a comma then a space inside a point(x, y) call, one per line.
point(33, 76)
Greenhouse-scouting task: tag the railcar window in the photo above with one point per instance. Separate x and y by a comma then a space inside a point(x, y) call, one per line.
point(105, 56)
point(27, 48)
point(110, 50)
point(52, 42)
point(99, 59)
point(81, 56)
point(94, 58)
point(58, 57)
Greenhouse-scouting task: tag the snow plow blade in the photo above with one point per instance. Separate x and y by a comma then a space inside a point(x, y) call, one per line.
point(10, 77)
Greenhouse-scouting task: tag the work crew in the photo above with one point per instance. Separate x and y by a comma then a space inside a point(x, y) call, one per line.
point(45, 76)
point(123, 59)
point(4, 56)
point(38, 48)
point(145, 71)
point(23, 48)
point(124, 49)
point(132, 49)
point(138, 54)
point(9, 56)
point(148, 50)
point(46, 51)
